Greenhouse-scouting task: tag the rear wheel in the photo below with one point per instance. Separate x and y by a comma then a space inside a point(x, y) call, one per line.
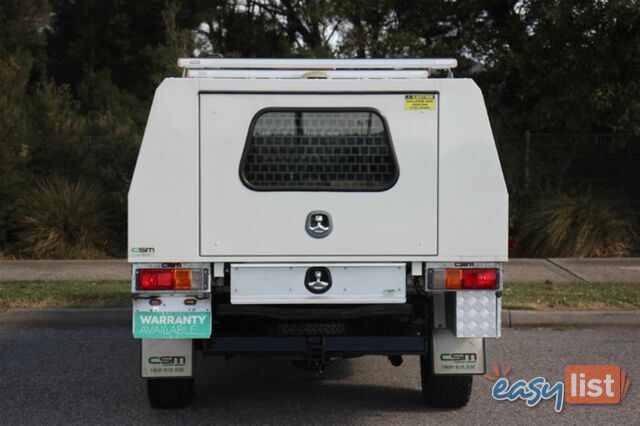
point(170, 393)
point(444, 391)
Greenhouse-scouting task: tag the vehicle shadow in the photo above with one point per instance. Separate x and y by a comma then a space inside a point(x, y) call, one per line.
point(252, 388)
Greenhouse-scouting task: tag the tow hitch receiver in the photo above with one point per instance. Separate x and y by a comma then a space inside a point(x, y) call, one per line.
point(317, 359)
point(315, 349)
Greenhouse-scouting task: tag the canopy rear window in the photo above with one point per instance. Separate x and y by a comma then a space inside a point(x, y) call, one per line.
point(319, 150)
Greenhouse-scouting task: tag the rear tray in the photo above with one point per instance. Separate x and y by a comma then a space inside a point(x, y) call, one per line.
point(302, 283)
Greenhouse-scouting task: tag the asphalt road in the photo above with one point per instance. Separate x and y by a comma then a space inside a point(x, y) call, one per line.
point(90, 375)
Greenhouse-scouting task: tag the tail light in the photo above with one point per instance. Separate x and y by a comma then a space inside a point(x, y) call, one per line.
point(170, 279)
point(471, 278)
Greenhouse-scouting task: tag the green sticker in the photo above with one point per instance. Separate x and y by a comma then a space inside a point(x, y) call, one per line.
point(172, 325)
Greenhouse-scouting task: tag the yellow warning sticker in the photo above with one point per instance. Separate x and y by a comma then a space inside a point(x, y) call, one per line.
point(420, 102)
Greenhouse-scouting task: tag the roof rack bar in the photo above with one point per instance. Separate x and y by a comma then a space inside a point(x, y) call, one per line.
point(298, 74)
point(317, 64)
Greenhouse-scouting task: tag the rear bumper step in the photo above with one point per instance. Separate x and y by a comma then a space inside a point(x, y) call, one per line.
point(334, 313)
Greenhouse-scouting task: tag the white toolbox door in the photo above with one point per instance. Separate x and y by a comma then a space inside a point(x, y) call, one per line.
point(238, 221)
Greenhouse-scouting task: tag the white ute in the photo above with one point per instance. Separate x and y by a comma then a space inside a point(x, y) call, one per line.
point(317, 209)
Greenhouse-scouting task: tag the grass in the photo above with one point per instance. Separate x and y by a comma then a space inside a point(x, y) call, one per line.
point(589, 223)
point(578, 296)
point(108, 294)
point(64, 220)
point(64, 294)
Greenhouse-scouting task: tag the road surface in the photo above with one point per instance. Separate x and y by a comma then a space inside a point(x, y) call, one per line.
point(90, 376)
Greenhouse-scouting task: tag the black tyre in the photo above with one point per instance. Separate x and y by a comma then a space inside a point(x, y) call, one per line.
point(444, 391)
point(170, 393)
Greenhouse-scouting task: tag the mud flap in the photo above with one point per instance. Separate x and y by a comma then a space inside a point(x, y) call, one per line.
point(166, 358)
point(453, 355)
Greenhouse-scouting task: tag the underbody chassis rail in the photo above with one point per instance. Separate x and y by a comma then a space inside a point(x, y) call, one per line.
point(317, 346)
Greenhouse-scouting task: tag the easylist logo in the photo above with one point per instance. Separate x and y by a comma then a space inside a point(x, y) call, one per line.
point(595, 384)
point(583, 384)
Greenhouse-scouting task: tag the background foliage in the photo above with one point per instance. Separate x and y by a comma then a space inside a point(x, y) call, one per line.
point(77, 79)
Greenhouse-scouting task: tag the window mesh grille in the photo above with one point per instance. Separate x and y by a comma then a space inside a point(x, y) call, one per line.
point(319, 150)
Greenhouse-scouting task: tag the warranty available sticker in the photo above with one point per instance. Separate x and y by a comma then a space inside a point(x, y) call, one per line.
point(424, 102)
point(172, 325)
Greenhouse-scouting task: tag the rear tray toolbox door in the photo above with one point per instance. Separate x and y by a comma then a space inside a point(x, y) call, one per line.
point(238, 219)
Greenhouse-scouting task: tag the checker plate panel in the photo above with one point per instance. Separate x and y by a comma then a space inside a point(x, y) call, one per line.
point(478, 314)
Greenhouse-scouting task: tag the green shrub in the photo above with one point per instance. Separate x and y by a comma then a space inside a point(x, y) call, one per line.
point(586, 224)
point(64, 220)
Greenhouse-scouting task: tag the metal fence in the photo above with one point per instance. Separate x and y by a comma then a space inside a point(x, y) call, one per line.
point(550, 162)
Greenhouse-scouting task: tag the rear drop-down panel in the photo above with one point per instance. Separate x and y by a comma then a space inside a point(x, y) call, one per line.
point(296, 283)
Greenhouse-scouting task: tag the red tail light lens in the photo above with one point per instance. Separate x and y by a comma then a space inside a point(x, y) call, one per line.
point(164, 279)
point(475, 278)
point(480, 278)
point(154, 279)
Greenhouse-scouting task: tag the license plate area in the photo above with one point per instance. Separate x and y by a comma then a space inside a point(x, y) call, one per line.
point(306, 283)
point(172, 318)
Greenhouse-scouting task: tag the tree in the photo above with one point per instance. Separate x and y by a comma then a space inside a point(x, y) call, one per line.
point(308, 24)
point(239, 29)
point(370, 29)
point(263, 28)
point(563, 66)
point(21, 58)
point(128, 39)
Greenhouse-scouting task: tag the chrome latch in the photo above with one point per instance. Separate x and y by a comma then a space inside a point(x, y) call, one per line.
point(318, 280)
